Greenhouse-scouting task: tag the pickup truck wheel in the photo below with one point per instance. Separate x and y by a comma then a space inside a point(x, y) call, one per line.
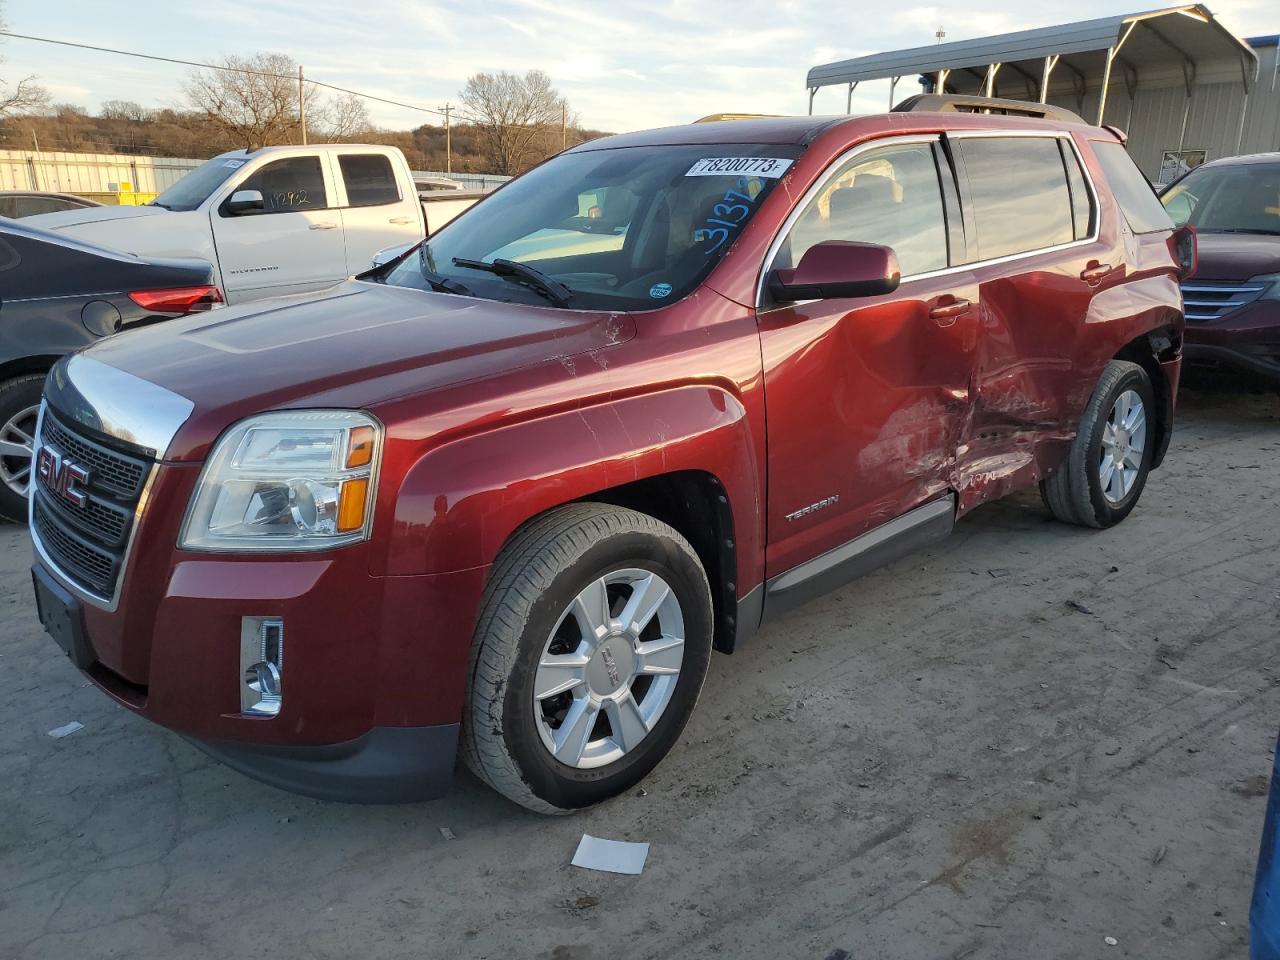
point(592, 644)
point(19, 406)
point(1107, 465)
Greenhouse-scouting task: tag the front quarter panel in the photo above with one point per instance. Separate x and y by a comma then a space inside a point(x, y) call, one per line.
point(458, 505)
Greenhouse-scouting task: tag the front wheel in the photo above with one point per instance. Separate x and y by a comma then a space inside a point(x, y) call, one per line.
point(1110, 457)
point(592, 644)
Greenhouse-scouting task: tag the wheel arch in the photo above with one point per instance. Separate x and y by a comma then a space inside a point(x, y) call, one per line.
point(686, 455)
point(26, 366)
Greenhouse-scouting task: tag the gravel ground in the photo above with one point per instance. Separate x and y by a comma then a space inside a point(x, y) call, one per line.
point(1020, 743)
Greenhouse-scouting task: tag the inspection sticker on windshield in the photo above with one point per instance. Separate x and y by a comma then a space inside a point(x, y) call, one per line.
point(769, 167)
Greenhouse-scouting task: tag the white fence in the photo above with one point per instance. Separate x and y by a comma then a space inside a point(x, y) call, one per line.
point(89, 173)
point(104, 173)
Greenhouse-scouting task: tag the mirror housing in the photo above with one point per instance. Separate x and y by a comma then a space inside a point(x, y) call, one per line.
point(1185, 247)
point(245, 201)
point(838, 268)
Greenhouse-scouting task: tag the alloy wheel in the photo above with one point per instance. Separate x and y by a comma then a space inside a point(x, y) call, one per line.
point(1123, 440)
point(17, 440)
point(609, 669)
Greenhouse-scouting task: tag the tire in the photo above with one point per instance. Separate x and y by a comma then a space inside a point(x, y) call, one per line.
point(530, 637)
point(19, 401)
point(1075, 493)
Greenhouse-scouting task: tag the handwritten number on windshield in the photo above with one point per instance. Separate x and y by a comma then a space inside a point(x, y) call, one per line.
point(729, 213)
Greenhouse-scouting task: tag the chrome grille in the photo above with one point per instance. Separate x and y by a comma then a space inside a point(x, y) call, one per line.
point(88, 541)
point(114, 473)
point(1212, 301)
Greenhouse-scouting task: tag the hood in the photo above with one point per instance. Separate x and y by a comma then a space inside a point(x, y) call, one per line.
point(1236, 256)
point(70, 218)
point(352, 346)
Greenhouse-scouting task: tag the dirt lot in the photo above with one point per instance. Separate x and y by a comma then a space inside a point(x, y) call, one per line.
point(1017, 744)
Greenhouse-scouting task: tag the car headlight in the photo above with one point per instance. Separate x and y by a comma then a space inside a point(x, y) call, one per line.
point(288, 480)
point(1273, 286)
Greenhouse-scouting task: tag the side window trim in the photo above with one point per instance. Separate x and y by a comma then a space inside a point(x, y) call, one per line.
point(966, 193)
point(832, 170)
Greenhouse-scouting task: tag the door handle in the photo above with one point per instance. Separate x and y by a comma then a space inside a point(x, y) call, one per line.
point(946, 313)
point(1095, 272)
point(323, 226)
point(399, 220)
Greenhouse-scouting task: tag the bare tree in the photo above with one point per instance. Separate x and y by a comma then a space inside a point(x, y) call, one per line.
point(514, 116)
point(127, 110)
point(27, 97)
point(254, 101)
point(344, 118)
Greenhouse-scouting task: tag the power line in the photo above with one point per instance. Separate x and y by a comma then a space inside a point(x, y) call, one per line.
point(215, 66)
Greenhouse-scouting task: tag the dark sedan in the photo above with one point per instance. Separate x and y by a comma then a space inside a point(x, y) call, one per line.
point(28, 203)
point(1233, 300)
point(57, 295)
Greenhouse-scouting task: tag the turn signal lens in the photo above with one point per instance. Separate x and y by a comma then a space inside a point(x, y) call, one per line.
point(359, 447)
point(178, 299)
point(351, 505)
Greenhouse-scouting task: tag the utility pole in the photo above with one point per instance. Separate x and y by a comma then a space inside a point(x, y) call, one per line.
point(448, 138)
point(564, 125)
point(940, 33)
point(302, 106)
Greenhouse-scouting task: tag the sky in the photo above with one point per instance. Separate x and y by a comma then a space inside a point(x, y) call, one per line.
point(622, 64)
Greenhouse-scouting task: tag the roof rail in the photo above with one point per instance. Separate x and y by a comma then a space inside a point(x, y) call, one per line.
point(955, 103)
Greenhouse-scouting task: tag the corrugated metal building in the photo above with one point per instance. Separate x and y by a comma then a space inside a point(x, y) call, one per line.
point(1180, 83)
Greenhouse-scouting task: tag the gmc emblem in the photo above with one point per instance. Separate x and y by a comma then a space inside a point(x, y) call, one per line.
point(62, 476)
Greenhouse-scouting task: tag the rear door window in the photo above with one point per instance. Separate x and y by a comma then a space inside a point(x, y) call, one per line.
point(1018, 197)
point(290, 185)
point(369, 179)
point(889, 196)
point(1134, 193)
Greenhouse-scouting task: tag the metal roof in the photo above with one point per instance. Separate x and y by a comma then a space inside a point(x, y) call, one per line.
point(1161, 41)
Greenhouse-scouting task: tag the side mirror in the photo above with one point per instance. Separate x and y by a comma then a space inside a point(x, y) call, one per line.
point(245, 201)
point(838, 268)
point(384, 256)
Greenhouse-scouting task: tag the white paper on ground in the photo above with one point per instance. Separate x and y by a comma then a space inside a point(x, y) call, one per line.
point(615, 856)
point(66, 729)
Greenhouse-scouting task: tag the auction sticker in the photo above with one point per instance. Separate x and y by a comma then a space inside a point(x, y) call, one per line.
point(768, 167)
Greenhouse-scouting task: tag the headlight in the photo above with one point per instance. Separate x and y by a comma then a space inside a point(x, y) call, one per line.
point(1273, 286)
point(288, 480)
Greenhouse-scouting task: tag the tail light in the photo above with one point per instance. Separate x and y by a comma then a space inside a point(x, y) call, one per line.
point(177, 299)
point(1184, 247)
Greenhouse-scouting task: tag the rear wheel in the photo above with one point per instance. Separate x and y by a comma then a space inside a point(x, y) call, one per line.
point(1107, 465)
point(590, 651)
point(19, 406)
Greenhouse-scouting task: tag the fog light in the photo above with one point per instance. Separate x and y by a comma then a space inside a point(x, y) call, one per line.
point(261, 665)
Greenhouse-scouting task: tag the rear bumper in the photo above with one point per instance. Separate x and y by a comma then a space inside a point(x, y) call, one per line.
point(386, 765)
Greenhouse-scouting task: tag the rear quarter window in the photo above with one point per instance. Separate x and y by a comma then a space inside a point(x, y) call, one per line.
point(1136, 196)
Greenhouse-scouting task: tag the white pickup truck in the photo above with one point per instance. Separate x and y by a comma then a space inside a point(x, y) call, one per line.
point(271, 221)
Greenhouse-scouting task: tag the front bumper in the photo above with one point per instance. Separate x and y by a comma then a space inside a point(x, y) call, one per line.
point(1248, 339)
point(385, 765)
point(374, 671)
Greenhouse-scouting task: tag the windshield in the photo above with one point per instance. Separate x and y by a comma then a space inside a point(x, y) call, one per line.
point(628, 228)
point(1241, 197)
point(193, 189)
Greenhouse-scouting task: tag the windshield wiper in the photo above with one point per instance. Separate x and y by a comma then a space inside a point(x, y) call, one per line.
point(553, 290)
point(1259, 230)
point(435, 281)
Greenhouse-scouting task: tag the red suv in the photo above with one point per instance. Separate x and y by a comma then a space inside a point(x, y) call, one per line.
point(504, 495)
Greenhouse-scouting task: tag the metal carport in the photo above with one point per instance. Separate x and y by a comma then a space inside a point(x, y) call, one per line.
point(1076, 65)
